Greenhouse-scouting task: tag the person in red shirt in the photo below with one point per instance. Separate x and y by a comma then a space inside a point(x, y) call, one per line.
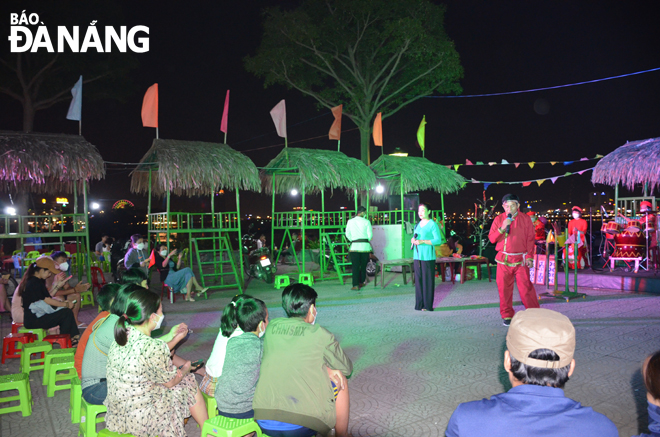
point(513, 236)
point(575, 225)
point(539, 227)
point(649, 221)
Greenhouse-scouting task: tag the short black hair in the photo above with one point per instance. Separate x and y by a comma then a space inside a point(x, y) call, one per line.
point(361, 209)
point(546, 377)
point(297, 299)
point(59, 254)
point(107, 295)
point(118, 306)
point(134, 275)
point(249, 313)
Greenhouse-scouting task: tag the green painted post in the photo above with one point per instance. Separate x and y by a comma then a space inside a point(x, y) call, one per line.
point(303, 229)
point(240, 245)
point(89, 266)
point(149, 208)
point(566, 264)
point(168, 219)
point(403, 227)
point(272, 223)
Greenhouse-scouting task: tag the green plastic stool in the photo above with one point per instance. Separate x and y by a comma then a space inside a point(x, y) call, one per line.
point(107, 433)
point(86, 298)
point(89, 418)
point(56, 353)
point(282, 281)
point(74, 401)
point(222, 426)
point(40, 333)
point(20, 382)
point(211, 405)
point(61, 364)
point(306, 278)
point(38, 347)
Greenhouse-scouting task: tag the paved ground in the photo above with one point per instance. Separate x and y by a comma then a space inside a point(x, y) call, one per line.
point(412, 368)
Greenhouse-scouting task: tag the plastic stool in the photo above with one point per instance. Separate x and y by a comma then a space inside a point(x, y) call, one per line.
point(20, 382)
point(282, 281)
point(107, 433)
point(74, 400)
point(38, 347)
point(86, 298)
point(306, 278)
point(222, 426)
point(11, 345)
point(60, 364)
point(50, 356)
point(40, 333)
point(15, 326)
point(89, 419)
point(211, 405)
point(64, 340)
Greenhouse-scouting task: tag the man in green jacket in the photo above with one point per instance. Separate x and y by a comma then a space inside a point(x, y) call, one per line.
point(293, 391)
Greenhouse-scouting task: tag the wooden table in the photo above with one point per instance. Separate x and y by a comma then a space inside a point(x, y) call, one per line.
point(405, 263)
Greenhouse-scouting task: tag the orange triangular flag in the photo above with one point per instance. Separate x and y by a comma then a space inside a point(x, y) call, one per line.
point(335, 129)
point(378, 130)
point(150, 107)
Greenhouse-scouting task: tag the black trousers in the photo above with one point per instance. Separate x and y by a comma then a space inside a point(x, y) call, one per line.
point(359, 262)
point(424, 284)
point(62, 318)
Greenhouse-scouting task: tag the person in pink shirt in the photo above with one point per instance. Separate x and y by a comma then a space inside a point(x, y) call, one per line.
point(513, 235)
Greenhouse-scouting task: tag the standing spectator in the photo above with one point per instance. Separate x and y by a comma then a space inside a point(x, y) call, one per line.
point(137, 255)
point(539, 361)
point(513, 235)
point(359, 234)
point(261, 242)
point(101, 247)
point(147, 394)
point(4, 299)
point(427, 235)
point(302, 386)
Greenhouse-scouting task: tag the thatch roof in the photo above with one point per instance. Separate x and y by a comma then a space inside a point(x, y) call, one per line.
point(318, 170)
point(193, 168)
point(47, 163)
point(418, 174)
point(634, 163)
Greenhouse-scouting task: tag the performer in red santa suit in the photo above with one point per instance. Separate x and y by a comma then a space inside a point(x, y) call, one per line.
point(539, 227)
point(513, 235)
point(575, 225)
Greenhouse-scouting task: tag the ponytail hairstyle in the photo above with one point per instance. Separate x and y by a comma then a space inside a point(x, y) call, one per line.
point(28, 274)
point(140, 305)
point(228, 322)
point(118, 307)
point(250, 312)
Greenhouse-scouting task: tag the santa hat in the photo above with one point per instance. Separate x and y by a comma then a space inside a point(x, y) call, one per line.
point(577, 208)
point(646, 204)
point(531, 213)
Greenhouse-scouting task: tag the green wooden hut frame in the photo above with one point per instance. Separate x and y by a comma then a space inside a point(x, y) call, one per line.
point(406, 174)
point(313, 171)
point(195, 168)
point(50, 164)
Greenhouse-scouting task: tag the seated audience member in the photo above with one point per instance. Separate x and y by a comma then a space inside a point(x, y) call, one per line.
point(228, 329)
point(67, 292)
point(235, 388)
point(102, 246)
point(651, 375)
point(38, 305)
point(294, 394)
point(147, 394)
point(539, 360)
point(95, 359)
point(136, 276)
point(137, 255)
point(105, 297)
point(180, 279)
point(4, 299)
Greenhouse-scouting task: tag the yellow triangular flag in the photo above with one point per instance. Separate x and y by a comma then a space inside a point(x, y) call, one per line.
point(531, 164)
point(598, 156)
point(553, 162)
point(456, 166)
point(540, 181)
point(421, 133)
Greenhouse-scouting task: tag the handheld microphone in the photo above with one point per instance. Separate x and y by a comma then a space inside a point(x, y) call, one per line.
point(508, 227)
point(604, 212)
point(412, 245)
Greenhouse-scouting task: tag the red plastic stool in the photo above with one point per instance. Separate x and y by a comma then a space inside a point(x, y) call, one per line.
point(96, 272)
point(9, 349)
point(64, 340)
point(15, 326)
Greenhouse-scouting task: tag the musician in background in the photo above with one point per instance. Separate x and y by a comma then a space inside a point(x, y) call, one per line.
point(650, 223)
point(578, 224)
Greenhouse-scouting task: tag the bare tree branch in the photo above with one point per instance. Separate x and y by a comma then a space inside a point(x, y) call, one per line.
point(11, 94)
point(6, 64)
point(410, 82)
point(412, 99)
point(43, 70)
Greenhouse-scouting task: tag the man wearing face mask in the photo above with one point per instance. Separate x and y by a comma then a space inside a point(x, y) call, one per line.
point(137, 255)
point(578, 224)
point(67, 292)
point(513, 235)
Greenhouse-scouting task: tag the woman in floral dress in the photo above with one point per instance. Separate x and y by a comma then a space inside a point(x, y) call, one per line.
point(147, 395)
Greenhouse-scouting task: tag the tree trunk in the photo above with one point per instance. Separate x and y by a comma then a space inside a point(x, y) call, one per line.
point(28, 115)
point(365, 141)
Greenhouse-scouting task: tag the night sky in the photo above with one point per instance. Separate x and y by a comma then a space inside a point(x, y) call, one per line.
point(196, 54)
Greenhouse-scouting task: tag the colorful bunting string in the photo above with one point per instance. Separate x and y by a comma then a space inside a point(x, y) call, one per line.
point(528, 183)
point(530, 163)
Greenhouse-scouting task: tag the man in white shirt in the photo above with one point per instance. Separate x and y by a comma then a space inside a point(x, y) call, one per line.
point(359, 234)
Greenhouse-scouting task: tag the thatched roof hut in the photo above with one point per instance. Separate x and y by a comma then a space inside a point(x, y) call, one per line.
point(318, 170)
point(417, 174)
point(193, 168)
point(634, 163)
point(47, 163)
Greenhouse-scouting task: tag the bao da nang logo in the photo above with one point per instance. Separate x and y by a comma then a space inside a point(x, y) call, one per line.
point(24, 38)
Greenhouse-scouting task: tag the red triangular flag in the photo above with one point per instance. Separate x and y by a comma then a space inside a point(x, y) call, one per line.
point(468, 162)
point(527, 184)
point(335, 129)
point(152, 259)
point(378, 130)
point(225, 115)
point(150, 107)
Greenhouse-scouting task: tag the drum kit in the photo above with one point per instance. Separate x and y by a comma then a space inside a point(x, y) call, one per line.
point(631, 236)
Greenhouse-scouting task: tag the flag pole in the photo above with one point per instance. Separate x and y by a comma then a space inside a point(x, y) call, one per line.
point(225, 137)
point(338, 143)
point(80, 127)
point(156, 132)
